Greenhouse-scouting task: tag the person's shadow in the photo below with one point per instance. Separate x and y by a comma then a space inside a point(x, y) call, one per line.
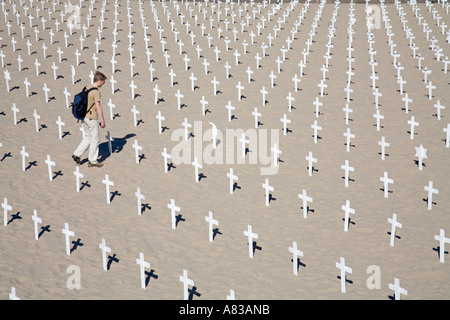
point(117, 145)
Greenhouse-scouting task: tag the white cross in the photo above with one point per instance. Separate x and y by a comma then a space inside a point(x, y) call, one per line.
point(173, 208)
point(6, 207)
point(305, 199)
point(263, 92)
point(211, 222)
point(68, 234)
point(256, 114)
point(394, 224)
point(430, 88)
point(140, 197)
point(172, 75)
point(377, 95)
point(179, 96)
point(275, 152)
point(296, 81)
point(249, 74)
point(192, 78)
point(203, 103)
point(12, 295)
point(290, 99)
point(421, 153)
point(46, 91)
point(310, 159)
point(78, 175)
point(347, 210)
point(229, 107)
point(104, 249)
point(24, 155)
point(50, 164)
point(295, 254)
point(186, 282)
point(15, 110)
point(143, 264)
point(112, 84)
point(240, 88)
point(186, 126)
point(27, 84)
point(322, 85)
point(383, 145)
point(135, 112)
point(215, 83)
point(243, 141)
point(60, 124)
point(156, 90)
point(442, 241)
point(431, 191)
point(132, 86)
point(232, 178)
point(267, 188)
point(348, 135)
point(347, 168)
point(341, 265)
point(378, 116)
point(160, 118)
point(250, 235)
point(272, 78)
point(107, 184)
point(397, 289)
point(196, 165)
point(166, 156)
point(315, 127)
point(447, 138)
point(318, 104)
point(54, 67)
point(36, 220)
point(67, 95)
point(439, 107)
point(413, 124)
point(385, 179)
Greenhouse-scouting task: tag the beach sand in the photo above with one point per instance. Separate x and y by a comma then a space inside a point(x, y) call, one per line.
point(41, 269)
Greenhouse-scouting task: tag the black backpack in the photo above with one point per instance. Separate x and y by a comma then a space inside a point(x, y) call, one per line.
point(79, 104)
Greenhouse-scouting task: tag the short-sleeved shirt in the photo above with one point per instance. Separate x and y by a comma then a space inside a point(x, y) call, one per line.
point(93, 97)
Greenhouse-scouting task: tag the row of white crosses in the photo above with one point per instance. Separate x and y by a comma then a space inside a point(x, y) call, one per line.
point(107, 180)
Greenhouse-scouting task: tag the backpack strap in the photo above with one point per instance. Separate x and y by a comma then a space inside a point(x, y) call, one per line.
point(89, 90)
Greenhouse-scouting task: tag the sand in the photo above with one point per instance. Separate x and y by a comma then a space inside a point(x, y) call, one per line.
point(41, 269)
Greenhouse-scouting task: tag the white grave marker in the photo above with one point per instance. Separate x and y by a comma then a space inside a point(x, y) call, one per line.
point(211, 222)
point(104, 249)
point(395, 224)
point(341, 265)
point(295, 254)
point(68, 234)
point(186, 282)
point(143, 264)
point(250, 235)
point(442, 241)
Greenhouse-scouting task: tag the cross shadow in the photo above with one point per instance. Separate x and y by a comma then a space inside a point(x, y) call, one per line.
point(216, 232)
point(117, 146)
point(193, 292)
point(43, 230)
point(14, 217)
point(150, 275)
point(111, 259)
point(76, 244)
point(178, 218)
point(437, 249)
point(255, 247)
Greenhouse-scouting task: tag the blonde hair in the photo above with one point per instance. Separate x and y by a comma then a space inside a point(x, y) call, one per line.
point(99, 76)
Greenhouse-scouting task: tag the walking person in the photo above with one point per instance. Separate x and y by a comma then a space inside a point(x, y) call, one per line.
point(92, 123)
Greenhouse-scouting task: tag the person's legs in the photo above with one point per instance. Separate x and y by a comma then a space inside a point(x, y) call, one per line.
point(94, 140)
point(84, 144)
